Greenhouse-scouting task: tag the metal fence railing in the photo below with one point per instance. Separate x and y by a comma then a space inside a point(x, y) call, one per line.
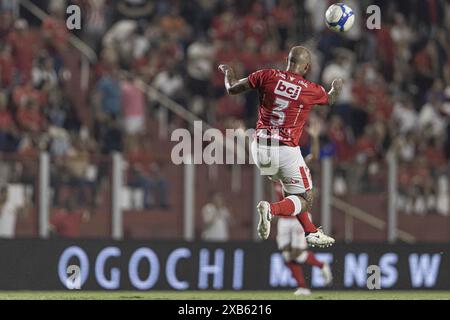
point(107, 197)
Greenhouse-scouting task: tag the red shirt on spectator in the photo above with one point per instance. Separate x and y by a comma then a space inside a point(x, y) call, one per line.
point(29, 118)
point(251, 61)
point(56, 31)
point(339, 138)
point(255, 24)
point(22, 44)
point(386, 46)
point(67, 225)
point(22, 95)
point(421, 172)
point(359, 92)
point(422, 61)
point(6, 121)
point(435, 156)
point(283, 14)
point(225, 26)
point(6, 68)
point(366, 145)
point(6, 23)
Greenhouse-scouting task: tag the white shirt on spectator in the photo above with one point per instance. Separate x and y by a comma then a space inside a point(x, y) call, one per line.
point(407, 149)
point(406, 117)
point(168, 85)
point(401, 33)
point(216, 223)
point(316, 10)
point(200, 60)
point(429, 116)
point(334, 71)
point(8, 218)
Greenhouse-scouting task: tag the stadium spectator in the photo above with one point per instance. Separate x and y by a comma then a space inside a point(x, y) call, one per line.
point(430, 122)
point(199, 66)
point(111, 137)
point(7, 215)
point(148, 178)
point(77, 162)
point(29, 117)
point(9, 135)
point(11, 6)
point(58, 110)
point(7, 67)
point(133, 102)
point(9, 212)
point(66, 222)
point(159, 185)
point(54, 30)
point(216, 219)
point(405, 115)
point(60, 143)
point(170, 83)
point(108, 96)
point(96, 21)
point(22, 43)
point(43, 74)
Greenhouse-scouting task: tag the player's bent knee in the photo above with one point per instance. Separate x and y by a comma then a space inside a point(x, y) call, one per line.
point(298, 205)
point(306, 200)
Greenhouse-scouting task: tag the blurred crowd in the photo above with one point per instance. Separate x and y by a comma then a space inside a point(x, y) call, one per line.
point(397, 93)
point(396, 97)
point(38, 112)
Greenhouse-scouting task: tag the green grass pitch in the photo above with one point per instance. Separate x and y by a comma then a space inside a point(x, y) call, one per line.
point(224, 295)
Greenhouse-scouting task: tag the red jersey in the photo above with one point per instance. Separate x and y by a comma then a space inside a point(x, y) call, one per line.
point(286, 99)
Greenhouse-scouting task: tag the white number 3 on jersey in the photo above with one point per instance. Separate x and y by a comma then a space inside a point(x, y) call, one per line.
point(278, 115)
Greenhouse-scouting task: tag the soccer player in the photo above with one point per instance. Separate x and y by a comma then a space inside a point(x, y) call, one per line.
point(286, 98)
point(291, 237)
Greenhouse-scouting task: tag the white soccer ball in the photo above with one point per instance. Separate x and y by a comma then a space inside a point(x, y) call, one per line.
point(339, 17)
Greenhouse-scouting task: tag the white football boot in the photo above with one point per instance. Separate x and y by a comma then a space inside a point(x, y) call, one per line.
point(264, 219)
point(326, 273)
point(302, 292)
point(319, 239)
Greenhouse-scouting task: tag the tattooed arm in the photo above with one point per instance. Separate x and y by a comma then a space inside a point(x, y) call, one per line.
point(233, 85)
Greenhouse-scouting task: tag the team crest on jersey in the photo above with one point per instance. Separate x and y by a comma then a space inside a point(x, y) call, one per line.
point(288, 90)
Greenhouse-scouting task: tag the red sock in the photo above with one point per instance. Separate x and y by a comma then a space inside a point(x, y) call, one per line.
point(285, 208)
point(297, 273)
point(306, 222)
point(312, 261)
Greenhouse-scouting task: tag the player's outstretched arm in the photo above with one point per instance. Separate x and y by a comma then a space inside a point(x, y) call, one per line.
point(336, 88)
point(233, 85)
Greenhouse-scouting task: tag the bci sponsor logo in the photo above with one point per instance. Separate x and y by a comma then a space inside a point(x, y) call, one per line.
point(288, 90)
